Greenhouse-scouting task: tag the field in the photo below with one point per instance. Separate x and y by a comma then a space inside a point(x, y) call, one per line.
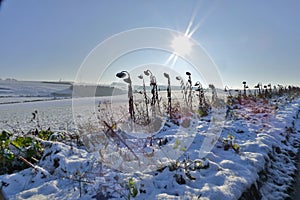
point(237, 146)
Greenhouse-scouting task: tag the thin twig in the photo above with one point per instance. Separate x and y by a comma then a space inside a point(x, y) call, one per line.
point(113, 134)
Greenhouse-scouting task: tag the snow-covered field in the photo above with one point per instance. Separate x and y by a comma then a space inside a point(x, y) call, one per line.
point(256, 152)
point(13, 89)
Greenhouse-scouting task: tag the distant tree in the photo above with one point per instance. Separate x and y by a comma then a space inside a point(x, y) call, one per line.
point(1, 2)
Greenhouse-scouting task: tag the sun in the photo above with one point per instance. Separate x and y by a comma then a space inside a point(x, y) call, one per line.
point(182, 45)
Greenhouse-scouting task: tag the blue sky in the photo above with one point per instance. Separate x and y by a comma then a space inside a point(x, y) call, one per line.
point(248, 40)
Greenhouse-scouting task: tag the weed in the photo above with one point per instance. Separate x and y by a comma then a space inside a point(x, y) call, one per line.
point(146, 100)
point(169, 97)
point(13, 147)
point(203, 107)
point(245, 88)
point(177, 143)
point(154, 91)
point(123, 74)
point(229, 143)
point(132, 190)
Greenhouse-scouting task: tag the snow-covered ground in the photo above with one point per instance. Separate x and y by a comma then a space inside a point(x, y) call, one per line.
point(14, 89)
point(55, 114)
point(256, 151)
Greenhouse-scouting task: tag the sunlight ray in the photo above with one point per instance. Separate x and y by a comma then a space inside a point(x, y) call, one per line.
point(191, 22)
point(198, 25)
point(169, 59)
point(174, 60)
point(190, 30)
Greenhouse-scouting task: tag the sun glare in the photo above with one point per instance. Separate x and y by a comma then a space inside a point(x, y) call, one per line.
point(182, 45)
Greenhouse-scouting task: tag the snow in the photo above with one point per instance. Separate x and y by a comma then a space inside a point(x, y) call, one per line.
point(265, 134)
point(33, 89)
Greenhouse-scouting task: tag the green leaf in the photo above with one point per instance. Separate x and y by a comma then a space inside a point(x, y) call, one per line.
point(4, 143)
point(182, 149)
point(38, 146)
point(4, 135)
point(18, 142)
point(30, 146)
point(229, 136)
point(22, 142)
point(45, 135)
point(177, 143)
point(236, 147)
point(10, 156)
point(134, 192)
point(131, 182)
